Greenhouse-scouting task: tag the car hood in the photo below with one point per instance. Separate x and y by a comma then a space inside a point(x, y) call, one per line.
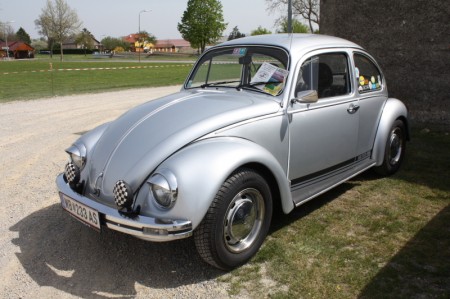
point(133, 146)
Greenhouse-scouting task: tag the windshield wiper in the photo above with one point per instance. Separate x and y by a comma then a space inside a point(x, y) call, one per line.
point(262, 83)
point(217, 83)
point(253, 85)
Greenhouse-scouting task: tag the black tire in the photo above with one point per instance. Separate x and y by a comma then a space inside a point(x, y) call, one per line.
point(394, 150)
point(237, 221)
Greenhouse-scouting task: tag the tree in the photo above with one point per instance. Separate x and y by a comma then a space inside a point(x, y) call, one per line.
point(43, 24)
point(235, 34)
point(260, 31)
point(23, 36)
point(202, 23)
point(85, 39)
point(58, 22)
point(307, 9)
point(7, 32)
point(297, 26)
point(38, 44)
point(148, 37)
point(110, 43)
point(144, 38)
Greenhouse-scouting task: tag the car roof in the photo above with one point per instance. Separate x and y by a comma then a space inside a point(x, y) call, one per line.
point(297, 41)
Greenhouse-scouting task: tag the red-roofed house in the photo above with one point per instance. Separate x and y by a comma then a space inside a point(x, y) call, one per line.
point(165, 45)
point(17, 50)
point(173, 46)
point(133, 40)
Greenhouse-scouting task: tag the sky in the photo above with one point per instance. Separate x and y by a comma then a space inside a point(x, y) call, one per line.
point(118, 18)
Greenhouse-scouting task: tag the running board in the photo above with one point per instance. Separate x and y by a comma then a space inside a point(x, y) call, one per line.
point(307, 190)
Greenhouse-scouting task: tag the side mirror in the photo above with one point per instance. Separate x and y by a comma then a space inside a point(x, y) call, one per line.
point(306, 97)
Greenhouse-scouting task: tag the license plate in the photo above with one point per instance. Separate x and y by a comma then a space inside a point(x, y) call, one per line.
point(83, 213)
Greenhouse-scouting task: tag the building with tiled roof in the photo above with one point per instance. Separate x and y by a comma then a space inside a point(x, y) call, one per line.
point(17, 50)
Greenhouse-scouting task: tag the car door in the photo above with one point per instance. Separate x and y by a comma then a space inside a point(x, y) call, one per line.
point(372, 96)
point(324, 134)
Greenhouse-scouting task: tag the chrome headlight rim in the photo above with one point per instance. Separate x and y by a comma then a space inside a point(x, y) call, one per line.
point(77, 153)
point(163, 188)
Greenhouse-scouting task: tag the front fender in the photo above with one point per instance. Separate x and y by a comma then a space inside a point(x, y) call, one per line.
point(202, 167)
point(90, 138)
point(393, 110)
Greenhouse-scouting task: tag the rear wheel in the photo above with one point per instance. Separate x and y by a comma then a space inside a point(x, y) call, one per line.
point(237, 221)
point(395, 149)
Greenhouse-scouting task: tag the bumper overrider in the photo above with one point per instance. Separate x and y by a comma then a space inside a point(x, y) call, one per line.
point(143, 227)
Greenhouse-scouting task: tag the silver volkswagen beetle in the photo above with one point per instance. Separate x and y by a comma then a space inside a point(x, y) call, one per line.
point(263, 120)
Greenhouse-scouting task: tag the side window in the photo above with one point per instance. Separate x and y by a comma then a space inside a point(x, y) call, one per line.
point(367, 74)
point(326, 73)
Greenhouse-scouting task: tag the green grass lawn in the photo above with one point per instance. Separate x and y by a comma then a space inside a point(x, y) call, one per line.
point(369, 238)
point(38, 78)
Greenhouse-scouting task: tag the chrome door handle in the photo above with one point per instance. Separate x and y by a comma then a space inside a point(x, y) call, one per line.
point(352, 108)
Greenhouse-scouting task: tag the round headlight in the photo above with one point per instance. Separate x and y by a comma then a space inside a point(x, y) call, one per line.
point(164, 189)
point(77, 160)
point(77, 154)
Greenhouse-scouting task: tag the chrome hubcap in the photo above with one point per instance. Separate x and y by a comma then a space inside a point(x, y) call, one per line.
point(396, 145)
point(243, 220)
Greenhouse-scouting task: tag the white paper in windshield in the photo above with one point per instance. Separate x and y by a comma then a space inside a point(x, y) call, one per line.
point(272, 75)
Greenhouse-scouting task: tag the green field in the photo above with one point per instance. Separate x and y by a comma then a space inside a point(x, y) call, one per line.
point(44, 77)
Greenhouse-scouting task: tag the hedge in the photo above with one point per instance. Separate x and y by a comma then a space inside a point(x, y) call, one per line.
point(68, 51)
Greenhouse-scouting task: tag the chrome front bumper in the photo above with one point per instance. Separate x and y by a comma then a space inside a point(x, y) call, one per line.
point(142, 227)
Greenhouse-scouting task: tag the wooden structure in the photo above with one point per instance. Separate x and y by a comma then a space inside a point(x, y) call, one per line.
point(17, 50)
point(173, 46)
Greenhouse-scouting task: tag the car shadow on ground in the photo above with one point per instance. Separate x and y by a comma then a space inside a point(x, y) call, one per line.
point(58, 251)
point(421, 269)
point(281, 220)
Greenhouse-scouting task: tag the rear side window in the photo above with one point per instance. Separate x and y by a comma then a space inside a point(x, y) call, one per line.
point(368, 76)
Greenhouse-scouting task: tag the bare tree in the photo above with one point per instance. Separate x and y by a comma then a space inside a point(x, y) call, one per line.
point(7, 32)
point(307, 9)
point(57, 22)
point(85, 39)
point(44, 26)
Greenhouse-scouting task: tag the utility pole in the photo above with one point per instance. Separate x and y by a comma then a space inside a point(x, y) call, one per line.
point(289, 24)
point(139, 33)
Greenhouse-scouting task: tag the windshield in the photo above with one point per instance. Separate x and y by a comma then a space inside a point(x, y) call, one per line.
point(262, 69)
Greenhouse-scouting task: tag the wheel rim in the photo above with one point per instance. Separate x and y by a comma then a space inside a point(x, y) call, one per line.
point(243, 220)
point(395, 146)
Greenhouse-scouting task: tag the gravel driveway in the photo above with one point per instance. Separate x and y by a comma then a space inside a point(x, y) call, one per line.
point(44, 253)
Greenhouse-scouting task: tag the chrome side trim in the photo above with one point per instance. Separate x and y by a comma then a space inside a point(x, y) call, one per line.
point(333, 185)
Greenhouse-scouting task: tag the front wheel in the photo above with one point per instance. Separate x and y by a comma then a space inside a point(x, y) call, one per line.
point(394, 151)
point(237, 221)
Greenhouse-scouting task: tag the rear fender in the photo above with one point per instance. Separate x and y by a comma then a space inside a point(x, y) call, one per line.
point(393, 110)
